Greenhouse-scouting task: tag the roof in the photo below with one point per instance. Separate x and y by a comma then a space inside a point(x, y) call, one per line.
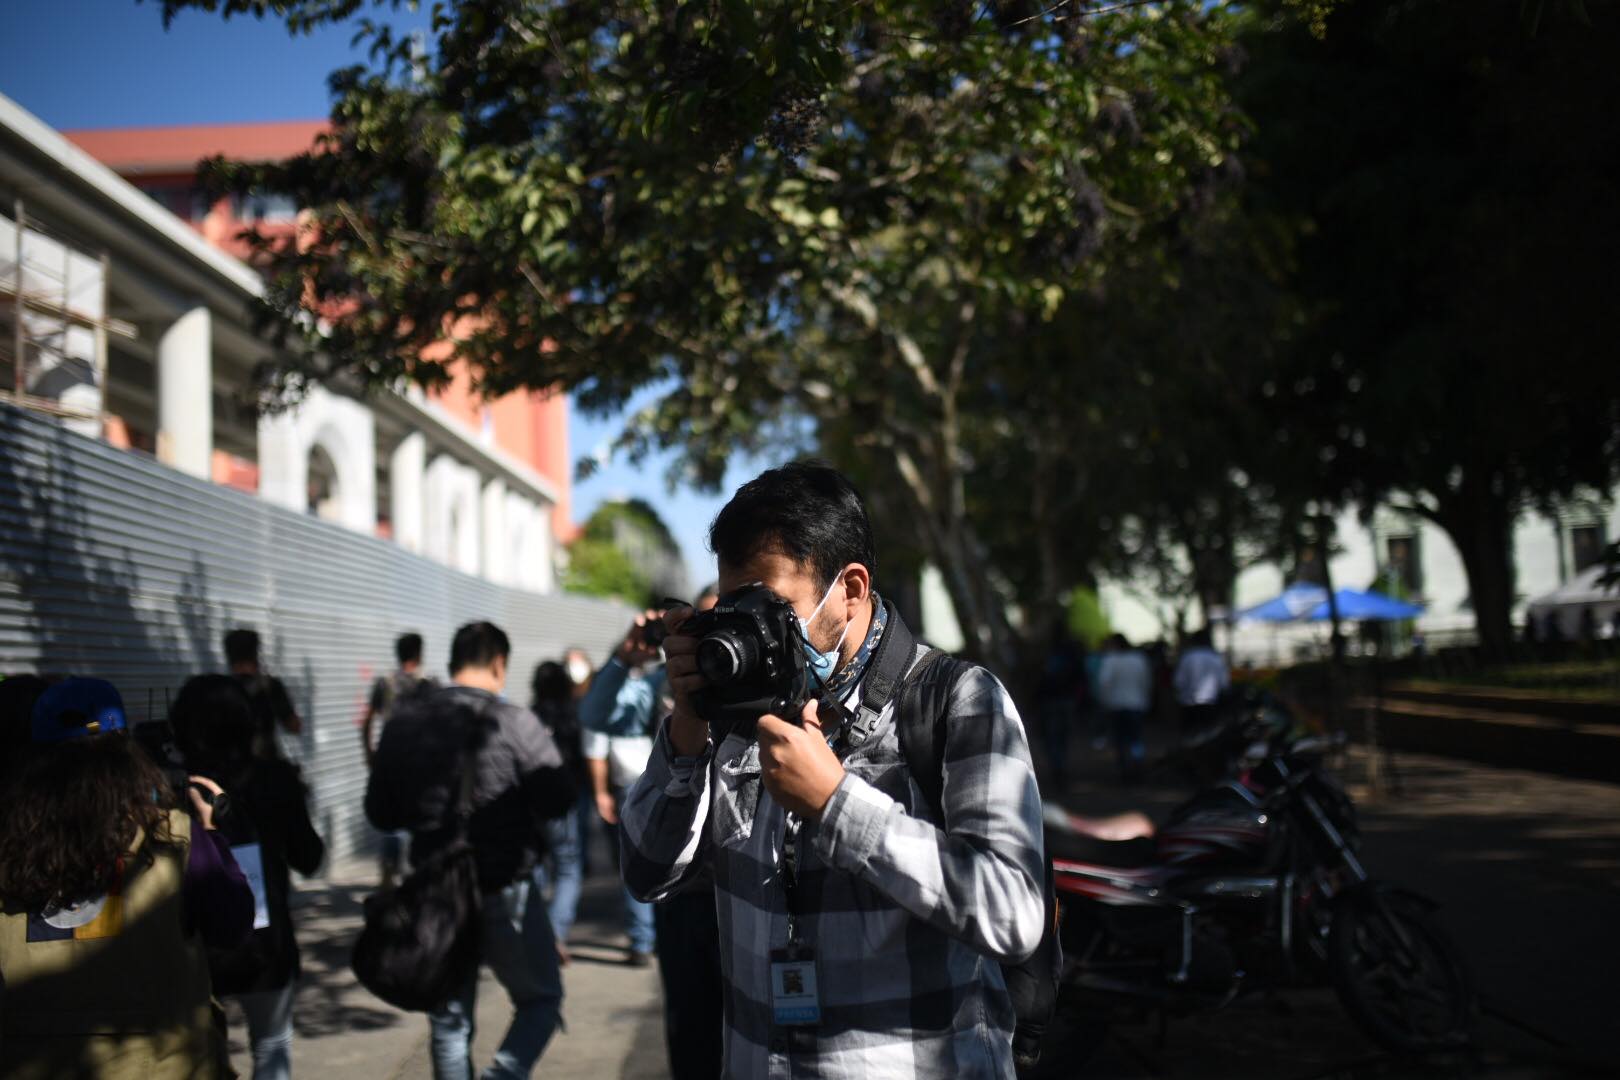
point(169, 150)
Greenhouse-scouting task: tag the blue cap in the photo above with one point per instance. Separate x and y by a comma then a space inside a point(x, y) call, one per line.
point(77, 707)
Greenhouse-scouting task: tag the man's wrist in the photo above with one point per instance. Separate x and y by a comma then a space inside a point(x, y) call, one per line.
point(688, 734)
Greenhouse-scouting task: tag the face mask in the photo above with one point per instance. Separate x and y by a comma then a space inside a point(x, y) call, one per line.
point(821, 663)
point(579, 670)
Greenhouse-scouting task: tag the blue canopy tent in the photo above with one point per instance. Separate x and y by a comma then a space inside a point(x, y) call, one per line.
point(1309, 603)
point(1294, 602)
point(1356, 605)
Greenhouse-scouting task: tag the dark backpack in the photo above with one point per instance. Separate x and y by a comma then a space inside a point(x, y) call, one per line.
point(920, 716)
point(420, 942)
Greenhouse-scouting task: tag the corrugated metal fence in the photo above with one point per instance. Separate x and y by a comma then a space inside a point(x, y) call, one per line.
point(114, 565)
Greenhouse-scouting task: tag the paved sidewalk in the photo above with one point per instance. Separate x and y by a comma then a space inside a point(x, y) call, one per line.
point(613, 1013)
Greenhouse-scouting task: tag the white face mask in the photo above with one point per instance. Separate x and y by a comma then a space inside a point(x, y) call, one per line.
point(579, 669)
point(822, 663)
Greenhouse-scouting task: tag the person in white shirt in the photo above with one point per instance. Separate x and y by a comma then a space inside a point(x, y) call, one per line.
point(1125, 694)
point(1201, 678)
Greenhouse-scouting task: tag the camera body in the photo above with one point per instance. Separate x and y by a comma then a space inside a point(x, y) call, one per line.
point(750, 652)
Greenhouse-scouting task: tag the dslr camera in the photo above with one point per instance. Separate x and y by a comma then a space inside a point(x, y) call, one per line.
point(751, 655)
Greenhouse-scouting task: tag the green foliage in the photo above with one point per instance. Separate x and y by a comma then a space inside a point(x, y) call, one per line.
point(598, 568)
point(1085, 618)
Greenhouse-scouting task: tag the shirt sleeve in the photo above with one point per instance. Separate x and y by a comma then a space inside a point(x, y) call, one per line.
point(379, 695)
point(596, 707)
point(664, 835)
point(980, 878)
point(218, 899)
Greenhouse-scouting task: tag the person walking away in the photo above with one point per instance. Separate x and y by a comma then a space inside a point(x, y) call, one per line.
point(581, 671)
point(272, 705)
point(1058, 695)
point(617, 715)
point(1201, 678)
point(862, 927)
point(109, 892)
point(405, 682)
point(268, 826)
point(1125, 693)
point(552, 701)
point(519, 782)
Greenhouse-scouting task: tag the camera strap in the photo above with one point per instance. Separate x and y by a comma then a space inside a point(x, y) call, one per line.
point(888, 667)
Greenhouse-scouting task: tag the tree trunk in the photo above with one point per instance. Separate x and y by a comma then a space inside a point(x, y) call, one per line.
point(1480, 522)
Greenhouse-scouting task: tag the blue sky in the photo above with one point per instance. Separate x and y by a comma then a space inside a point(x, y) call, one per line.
point(110, 63)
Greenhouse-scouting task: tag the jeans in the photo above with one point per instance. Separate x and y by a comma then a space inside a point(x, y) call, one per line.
point(270, 1031)
point(689, 967)
point(519, 948)
point(1128, 745)
point(565, 870)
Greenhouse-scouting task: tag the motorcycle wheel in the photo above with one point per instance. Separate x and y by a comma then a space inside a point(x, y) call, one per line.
point(1399, 976)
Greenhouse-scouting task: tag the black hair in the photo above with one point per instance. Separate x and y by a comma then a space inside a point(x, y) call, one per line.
point(408, 648)
point(1201, 638)
point(807, 510)
point(478, 644)
point(213, 723)
point(17, 696)
point(551, 682)
point(242, 646)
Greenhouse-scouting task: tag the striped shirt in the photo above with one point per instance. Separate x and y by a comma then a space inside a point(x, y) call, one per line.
point(909, 916)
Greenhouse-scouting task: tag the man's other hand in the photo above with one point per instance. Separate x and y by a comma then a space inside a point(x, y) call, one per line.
point(796, 765)
point(634, 650)
point(607, 808)
point(688, 733)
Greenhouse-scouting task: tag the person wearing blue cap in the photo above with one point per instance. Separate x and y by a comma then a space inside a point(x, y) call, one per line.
point(109, 892)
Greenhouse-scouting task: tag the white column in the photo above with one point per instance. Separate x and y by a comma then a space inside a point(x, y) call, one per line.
point(405, 469)
point(185, 392)
point(495, 562)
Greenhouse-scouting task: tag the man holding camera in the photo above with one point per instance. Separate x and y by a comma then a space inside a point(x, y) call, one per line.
point(861, 928)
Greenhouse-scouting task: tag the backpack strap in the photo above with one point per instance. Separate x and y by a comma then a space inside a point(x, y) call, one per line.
point(920, 715)
point(888, 667)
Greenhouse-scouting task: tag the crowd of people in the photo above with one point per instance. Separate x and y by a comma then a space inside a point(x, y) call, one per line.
point(1111, 694)
point(805, 894)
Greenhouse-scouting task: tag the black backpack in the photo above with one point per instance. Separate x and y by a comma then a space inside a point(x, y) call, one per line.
point(420, 942)
point(920, 717)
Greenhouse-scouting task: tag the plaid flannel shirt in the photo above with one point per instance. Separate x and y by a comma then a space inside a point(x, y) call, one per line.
point(910, 917)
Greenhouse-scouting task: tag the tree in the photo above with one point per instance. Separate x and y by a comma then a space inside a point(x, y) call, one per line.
point(1452, 170)
point(809, 214)
point(626, 550)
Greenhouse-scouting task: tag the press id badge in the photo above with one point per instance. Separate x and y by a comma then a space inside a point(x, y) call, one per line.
point(795, 1001)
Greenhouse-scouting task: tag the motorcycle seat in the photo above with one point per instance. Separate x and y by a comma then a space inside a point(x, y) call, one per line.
point(1121, 854)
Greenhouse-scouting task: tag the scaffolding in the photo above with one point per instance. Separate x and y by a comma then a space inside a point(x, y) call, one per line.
point(54, 323)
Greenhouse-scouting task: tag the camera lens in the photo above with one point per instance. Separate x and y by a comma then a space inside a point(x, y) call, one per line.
point(726, 656)
point(654, 633)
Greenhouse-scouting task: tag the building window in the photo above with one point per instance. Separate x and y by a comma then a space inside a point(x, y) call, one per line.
point(1403, 570)
point(1585, 546)
point(178, 197)
point(260, 207)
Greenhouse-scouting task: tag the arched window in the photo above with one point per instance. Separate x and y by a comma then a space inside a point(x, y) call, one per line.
point(325, 494)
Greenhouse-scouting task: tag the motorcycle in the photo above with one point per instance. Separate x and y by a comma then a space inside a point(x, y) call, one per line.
point(1254, 883)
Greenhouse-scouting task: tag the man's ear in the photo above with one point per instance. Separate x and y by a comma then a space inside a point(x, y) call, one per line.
point(857, 588)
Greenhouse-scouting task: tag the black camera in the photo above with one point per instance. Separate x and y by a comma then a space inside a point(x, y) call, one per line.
point(750, 652)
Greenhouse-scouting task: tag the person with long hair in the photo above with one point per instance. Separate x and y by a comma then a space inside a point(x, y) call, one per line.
point(109, 893)
point(268, 826)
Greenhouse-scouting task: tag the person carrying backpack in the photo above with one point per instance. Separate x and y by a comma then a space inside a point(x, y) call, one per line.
point(870, 886)
point(388, 692)
point(266, 820)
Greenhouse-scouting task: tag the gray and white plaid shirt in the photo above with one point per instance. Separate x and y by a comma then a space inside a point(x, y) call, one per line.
point(910, 917)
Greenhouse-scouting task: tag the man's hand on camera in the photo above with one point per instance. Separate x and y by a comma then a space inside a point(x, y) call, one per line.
point(688, 733)
point(634, 649)
point(796, 765)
